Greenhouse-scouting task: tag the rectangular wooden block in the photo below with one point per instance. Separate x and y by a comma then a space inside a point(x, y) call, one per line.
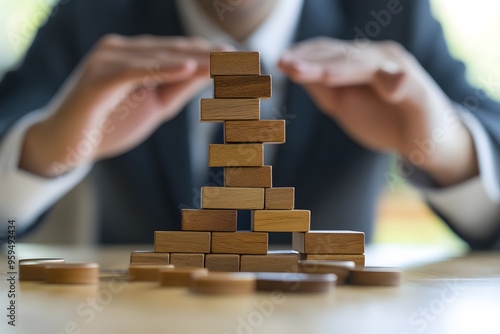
point(329, 242)
point(242, 87)
point(234, 63)
point(281, 220)
point(235, 155)
point(222, 262)
point(239, 243)
point(144, 257)
point(209, 220)
point(280, 198)
point(182, 242)
point(358, 259)
point(196, 260)
point(232, 198)
point(248, 177)
point(219, 110)
point(262, 131)
point(273, 261)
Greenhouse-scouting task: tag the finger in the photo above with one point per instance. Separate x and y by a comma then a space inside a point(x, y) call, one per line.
point(390, 84)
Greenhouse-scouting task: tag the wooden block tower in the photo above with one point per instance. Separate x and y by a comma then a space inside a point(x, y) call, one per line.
point(209, 236)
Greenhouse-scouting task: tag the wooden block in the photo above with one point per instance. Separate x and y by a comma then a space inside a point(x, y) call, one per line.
point(295, 282)
point(143, 257)
point(222, 262)
point(146, 273)
point(329, 242)
point(194, 260)
point(340, 268)
point(358, 259)
point(262, 131)
point(234, 87)
point(223, 283)
point(209, 220)
point(248, 177)
point(235, 155)
point(182, 242)
point(34, 269)
point(281, 220)
point(179, 277)
point(234, 63)
point(232, 198)
point(280, 198)
point(274, 261)
point(219, 110)
point(72, 273)
point(375, 276)
point(239, 243)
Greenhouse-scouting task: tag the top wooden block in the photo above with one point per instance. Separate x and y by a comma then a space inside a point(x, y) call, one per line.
point(234, 63)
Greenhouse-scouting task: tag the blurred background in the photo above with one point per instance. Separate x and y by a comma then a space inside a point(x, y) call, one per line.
point(472, 29)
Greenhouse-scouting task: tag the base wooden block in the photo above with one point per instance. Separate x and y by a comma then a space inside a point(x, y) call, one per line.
point(229, 87)
point(223, 284)
point(144, 257)
point(209, 220)
point(248, 177)
point(375, 276)
point(280, 198)
point(296, 283)
point(239, 243)
point(194, 260)
point(273, 261)
point(219, 110)
point(235, 155)
point(232, 198)
point(234, 63)
point(146, 273)
point(329, 242)
point(262, 131)
point(72, 273)
point(359, 260)
point(222, 262)
point(179, 277)
point(281, 220)
point(182, 242)
point(34, 269)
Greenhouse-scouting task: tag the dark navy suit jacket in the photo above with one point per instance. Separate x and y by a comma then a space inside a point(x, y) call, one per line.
point(143, 190)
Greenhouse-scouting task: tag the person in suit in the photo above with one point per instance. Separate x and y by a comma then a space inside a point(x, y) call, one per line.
point(111, 88)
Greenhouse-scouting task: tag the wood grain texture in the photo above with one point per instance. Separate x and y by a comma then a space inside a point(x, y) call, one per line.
point(239, 243)
point(248, 177)
point(281, 220)
point(235, 155)
point(222, 262)
point(280, 198)
point(273, 261)
point(234, 63)
point(194, 260)
point(244, 87)
point(182, 242)
point(209, 220)
point(232, 198)
point(329, 242)
point(359, 260)
point(261, 131)
point(146, 273)
point(143, 257)
point(219, 110)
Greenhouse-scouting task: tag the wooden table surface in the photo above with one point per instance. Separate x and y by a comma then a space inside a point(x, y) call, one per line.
point(456, 295)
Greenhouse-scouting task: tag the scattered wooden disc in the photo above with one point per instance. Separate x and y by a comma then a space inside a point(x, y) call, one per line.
point(147, 273)
point(180, 277)
point(223, 283)
point(375, 276)
point(341, 269)
point(34, 269)
point(72, 273)
point(295, 282)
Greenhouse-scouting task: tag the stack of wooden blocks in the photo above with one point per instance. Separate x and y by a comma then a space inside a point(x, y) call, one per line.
point(209, 236)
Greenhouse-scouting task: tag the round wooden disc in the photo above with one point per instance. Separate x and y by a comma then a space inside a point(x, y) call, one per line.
point(223, 283)
point(295, 282)
point(34, 269)
point(180, 277)
point(375, 276)
point(146, 273)
point(341, 269)
point(72, 273)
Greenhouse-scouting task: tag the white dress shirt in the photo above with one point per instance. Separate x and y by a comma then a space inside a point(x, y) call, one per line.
point(473, 206)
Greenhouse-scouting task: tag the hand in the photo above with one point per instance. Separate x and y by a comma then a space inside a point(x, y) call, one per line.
point(121, 92)
point(384, 99)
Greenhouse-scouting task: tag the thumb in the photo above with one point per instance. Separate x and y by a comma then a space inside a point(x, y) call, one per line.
point(389, 81)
